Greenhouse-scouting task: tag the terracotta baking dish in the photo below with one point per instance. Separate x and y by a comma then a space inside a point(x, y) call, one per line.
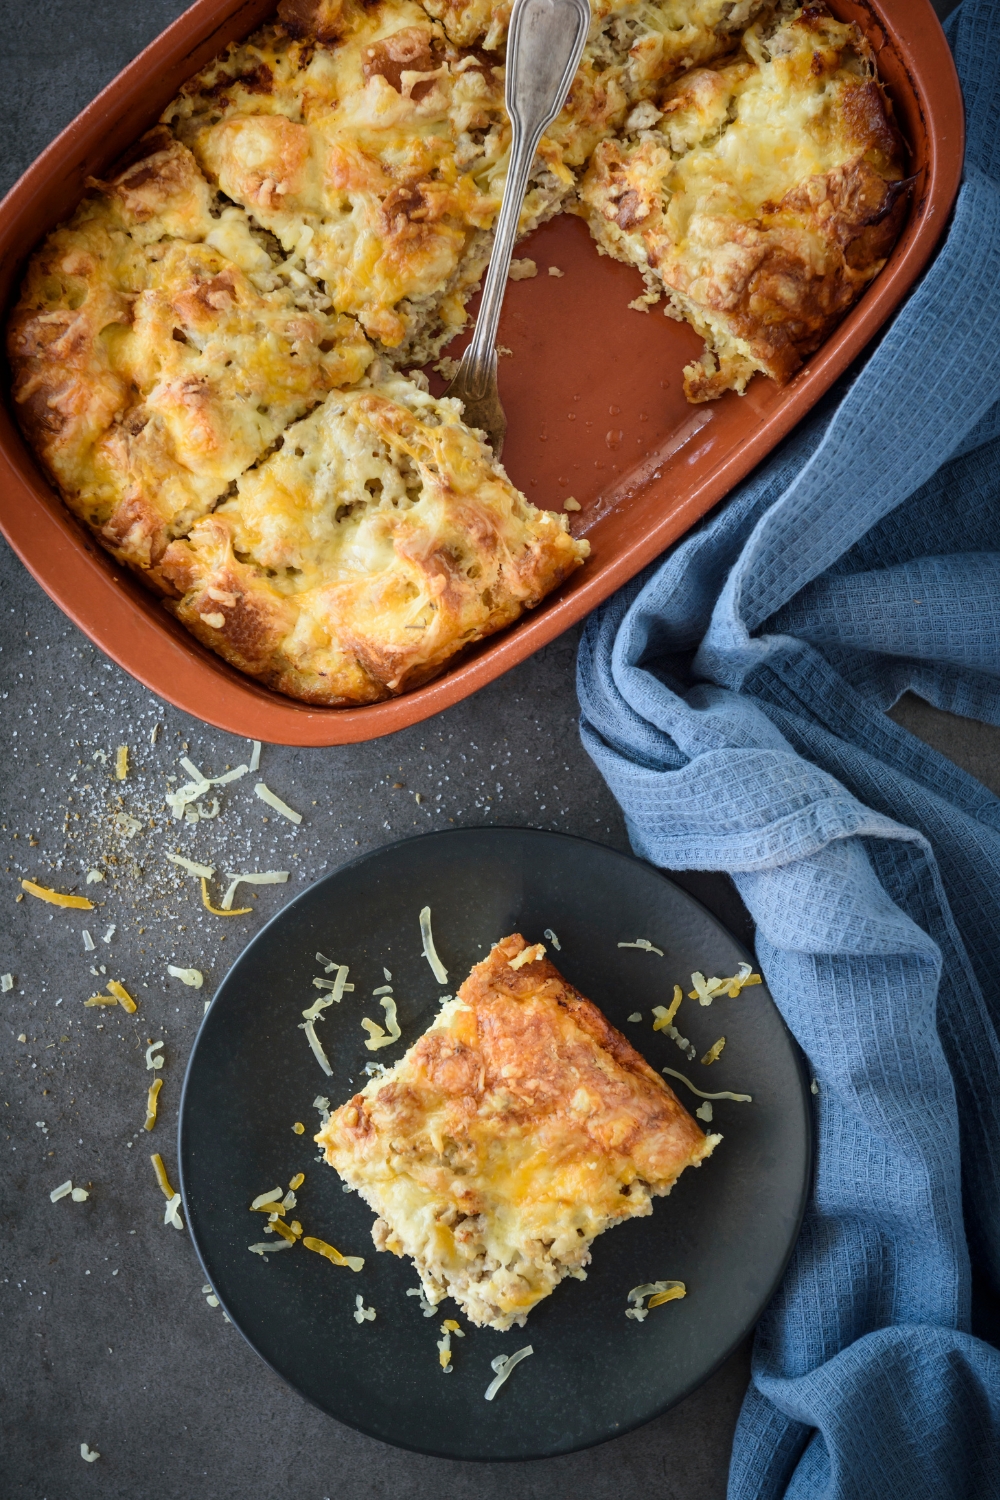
point(592, 391)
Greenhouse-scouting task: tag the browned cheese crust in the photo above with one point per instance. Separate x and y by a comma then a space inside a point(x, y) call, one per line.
point(376, 542)
point(519, 1127)
point(763, 196)
point(158, 351)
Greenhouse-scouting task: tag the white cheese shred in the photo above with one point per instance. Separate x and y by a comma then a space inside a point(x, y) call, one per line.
point(363, 1314)
point(193, 977)
point(255, 756)
point(317, 1047)
point(557, 945)
point(528, 956)
point(151, 1061)
point(644, 944)
point(255, 877)
point(725, 1094)
point(503, 1364)
point(62, 1191)
point(88, 942)
point(171, 1213)
point(269, 1247)
point(7, 980)
point(635, 1016)
point(377, 1037)
point(88, 1454)
point(657, 1292)
point(266, 795)
point(430, 952)
point(192, 866)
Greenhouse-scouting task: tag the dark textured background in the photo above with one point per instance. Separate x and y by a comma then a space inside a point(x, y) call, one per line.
point(106, 1336)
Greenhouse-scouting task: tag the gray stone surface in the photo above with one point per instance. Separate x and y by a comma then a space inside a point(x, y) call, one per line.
point(107, 1338)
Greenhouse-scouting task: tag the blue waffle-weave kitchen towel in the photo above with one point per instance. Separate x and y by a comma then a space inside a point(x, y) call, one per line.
point(734, 698)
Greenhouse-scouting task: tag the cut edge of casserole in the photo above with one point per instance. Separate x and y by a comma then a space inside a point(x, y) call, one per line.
point(519, 1127)
point(378, 539)
point(761, 195)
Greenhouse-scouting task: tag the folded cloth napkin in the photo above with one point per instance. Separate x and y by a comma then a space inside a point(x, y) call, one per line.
point(734, 698)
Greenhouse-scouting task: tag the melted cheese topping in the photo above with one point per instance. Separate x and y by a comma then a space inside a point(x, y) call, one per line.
point(763, 201)
point(158, 353)
point(518, 1128)
point(377, 541)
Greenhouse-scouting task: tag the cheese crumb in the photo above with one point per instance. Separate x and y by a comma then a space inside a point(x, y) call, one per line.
point(89, 1455)
point(635, 1016)
point(503, 1364)
point(299, 1128)
point(522, 270)
point(121, 763)
point(94, 877)
point(62, 1191)
point(6, 983)
point(555, 271)
point(571, 503)
point(193, 977)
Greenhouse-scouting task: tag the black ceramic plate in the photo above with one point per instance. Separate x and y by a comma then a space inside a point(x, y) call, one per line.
point(726, 1230)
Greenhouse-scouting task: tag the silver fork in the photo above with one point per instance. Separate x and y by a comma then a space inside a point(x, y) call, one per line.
point(545, 41)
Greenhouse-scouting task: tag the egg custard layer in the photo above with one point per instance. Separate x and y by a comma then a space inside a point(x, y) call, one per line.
point(208, 357)
point(518, 1128)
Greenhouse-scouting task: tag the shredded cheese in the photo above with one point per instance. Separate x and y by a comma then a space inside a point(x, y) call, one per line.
point(430, 952)
point(266, 795)
point(354, 1262)
point(154, 1089)
point(99, 1000)
point(635, 1016)
point(557, 945)
point(713, 1053)
point(317, 1047)
point(241, 911)
point(665, 1016)
point(94, 877)
point(264, 1200)
point(705, 1112)
point(89, 1455)
point(192, 866)
point(528, 956)
point(377, 1037)
point(89, 946)
point(264, 877)
point(151, 1061)
point(56, 898)
point(255, 756)
point(299, 1128)
point(725, 1094)
point(192, 977)
point(171, 1214)
point(79, 1195)
point(285, 1230)
point(503, 1364)
point(6, 983)
point(644, 944)
point(658, 1292)
point(363, 1314)
point(123, 997)
point(297, 1181)
point(161, 1175)
point(425, 1307)
point(121, 763)
point(268, 1249)
point(62, 1191)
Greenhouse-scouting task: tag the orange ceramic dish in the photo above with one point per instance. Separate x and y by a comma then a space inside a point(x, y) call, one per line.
point(596, 405)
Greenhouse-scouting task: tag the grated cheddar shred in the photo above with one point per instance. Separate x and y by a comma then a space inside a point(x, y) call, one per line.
point(56, 898)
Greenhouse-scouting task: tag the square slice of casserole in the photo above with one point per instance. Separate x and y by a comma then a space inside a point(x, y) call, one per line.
point(518, 1128)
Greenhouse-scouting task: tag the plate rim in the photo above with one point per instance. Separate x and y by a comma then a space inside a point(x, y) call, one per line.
point(805, 1188)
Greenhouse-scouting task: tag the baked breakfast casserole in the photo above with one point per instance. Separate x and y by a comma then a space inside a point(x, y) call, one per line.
point(213, 357)
point(518, 1128)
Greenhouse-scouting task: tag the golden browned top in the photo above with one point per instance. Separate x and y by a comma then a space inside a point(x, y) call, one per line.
point(377, 541)
point(762, 194)
point(521, 1104)
point(158, 350)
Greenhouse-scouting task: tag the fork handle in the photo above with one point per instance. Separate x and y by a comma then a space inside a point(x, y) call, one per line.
point(545, 42)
